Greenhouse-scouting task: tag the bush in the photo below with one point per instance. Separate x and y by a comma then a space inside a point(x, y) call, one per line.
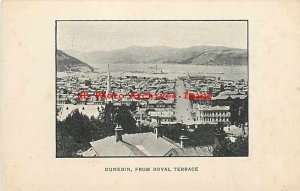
point(228, 148)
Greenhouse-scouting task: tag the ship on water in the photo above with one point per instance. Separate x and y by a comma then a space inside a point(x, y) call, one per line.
point(158, 72)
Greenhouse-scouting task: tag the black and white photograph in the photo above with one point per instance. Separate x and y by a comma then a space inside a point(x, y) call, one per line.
point(151, 88)
point(154, 95)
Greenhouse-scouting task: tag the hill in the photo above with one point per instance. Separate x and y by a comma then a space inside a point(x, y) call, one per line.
point(66, 62)
point(198, 55)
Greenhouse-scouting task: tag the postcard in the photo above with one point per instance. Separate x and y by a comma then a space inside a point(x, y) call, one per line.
point(154, 95)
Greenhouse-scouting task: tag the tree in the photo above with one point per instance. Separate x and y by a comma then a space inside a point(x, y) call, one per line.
point(146, 127)
point(222, 88)
point(77, 130)
point(132, 106)
point(75, 133)
point(87, 83)
point(234, 111)
point(202, 136)
point(237, 148)
point(65, 91)
point(125, 119)
point(175, 132)
point(122, 116)
point(66, 146)
point(108, 117)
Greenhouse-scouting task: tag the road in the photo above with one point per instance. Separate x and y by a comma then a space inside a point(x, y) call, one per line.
point(183, 107)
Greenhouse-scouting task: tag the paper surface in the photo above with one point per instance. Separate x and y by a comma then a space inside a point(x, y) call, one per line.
point(28, 100)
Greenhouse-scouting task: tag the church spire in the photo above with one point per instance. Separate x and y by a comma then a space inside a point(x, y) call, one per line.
point(108, 87)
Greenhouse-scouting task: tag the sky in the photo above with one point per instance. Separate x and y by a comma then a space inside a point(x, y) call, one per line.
point(91, 36)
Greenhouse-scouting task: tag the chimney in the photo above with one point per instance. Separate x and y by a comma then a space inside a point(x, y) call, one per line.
point(183, 139)
point(243, 129)
point(118, 132)
point(157, 131)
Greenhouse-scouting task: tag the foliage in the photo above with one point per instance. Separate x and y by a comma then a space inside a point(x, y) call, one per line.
point(107, 117)
point(87, 82)
point(133, 106)
point(65, 91)
point(201, 136)
point(239, 113)
point(124, 118)
point(77, 130)
point(121, 115)
point(75, 133)
point(146, 128)
point(237, 148)
point(222, 88)
point(175, 132)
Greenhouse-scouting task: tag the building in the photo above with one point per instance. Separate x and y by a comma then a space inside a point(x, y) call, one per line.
point(138, 144)
point(192, 151)
point(164, 117)
point(88, 110)
point(161, 103)
point(230, 100)
point(238, 106)
point(108, 87)
point(233, 131)
point(142, 144)
point(212, 114)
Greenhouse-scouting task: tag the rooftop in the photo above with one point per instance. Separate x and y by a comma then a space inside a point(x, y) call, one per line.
point(89, 110)
point(229, 96)
point(139, 144)
point(213, 108)
point(192, 151)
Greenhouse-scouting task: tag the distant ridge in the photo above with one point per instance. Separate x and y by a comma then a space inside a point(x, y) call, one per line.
point(198, 55)
point(66, 63)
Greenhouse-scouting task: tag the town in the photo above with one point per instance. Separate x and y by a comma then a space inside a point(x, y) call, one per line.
point(195, 102)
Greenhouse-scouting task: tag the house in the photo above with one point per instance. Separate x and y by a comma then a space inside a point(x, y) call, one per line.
point(161, 103)
point(143, 144)
point(230, 100)
point(212, 114)
point(165, 117)
point(233, 131)
point(88, 110)
point(138, 144)
point(192, 151)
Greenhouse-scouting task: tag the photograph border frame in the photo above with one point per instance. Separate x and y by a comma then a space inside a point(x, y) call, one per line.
point(162, 20)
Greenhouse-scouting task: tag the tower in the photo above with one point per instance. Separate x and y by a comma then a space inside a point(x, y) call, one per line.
point(108, 86)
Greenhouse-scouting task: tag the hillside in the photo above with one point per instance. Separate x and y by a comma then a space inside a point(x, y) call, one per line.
point(201, 55)
point(66, 62)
